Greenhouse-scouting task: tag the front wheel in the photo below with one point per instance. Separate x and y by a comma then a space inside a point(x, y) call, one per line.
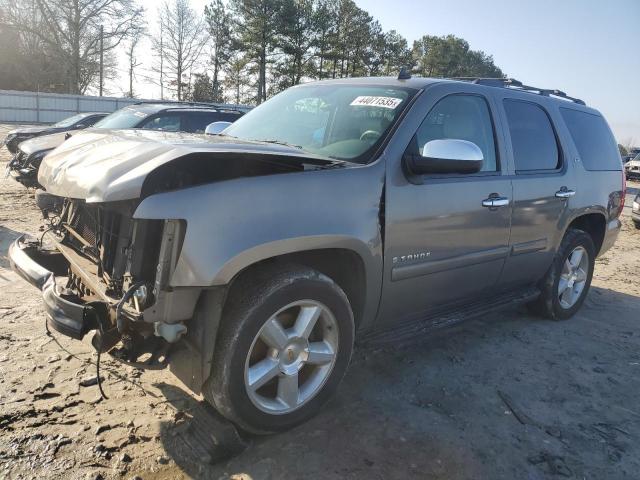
point(284, 346)
point(567, 281)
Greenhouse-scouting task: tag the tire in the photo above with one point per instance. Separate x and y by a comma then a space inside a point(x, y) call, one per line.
point(636, 224)
point(551, 304)
point(245, 340)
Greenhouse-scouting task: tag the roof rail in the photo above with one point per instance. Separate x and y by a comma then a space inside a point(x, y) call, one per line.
point(220, 106)
point(515, 84)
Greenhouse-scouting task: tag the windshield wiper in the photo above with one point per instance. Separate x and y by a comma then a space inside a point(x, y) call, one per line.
point(280, 142)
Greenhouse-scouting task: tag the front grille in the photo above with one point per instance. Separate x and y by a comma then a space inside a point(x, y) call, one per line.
point(85, 223)
point(95, 232)
point(104, 234)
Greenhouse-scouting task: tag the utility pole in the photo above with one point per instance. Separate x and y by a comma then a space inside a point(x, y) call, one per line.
point(101, 57)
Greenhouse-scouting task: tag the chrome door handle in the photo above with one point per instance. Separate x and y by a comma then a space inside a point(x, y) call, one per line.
point(495, 202)
point(564, 193)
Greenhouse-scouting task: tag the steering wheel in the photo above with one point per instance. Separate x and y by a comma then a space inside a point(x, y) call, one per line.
point(370, 135)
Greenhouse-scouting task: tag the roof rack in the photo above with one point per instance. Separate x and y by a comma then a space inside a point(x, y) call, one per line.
point(515, 84)
point(220, 106)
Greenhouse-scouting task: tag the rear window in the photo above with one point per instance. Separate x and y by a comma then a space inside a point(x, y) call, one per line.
point(532, 137)
point(592, 137)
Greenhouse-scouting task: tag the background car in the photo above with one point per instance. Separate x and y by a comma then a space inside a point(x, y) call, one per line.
point(76, 122)
point(635, 211)
point(632, 168)
point(162, 116)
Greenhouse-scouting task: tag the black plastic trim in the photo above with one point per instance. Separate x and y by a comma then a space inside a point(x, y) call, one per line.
point(67, 317)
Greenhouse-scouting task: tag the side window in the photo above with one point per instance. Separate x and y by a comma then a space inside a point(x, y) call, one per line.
point(227, 117)
point(597, 148)
point(165, 123)
point(197, 121)
point(532, 137)
point(461, 117)
point(91, 120)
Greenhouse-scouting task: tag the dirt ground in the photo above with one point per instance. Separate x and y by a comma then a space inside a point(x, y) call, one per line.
point(507, 396)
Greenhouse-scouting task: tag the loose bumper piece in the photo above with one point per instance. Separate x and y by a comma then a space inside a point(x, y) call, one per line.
point(71, 318)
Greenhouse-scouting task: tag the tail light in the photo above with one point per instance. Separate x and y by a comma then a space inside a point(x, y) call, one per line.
point(624, 194)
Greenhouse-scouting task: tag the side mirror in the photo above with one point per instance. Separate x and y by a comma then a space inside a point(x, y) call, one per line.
point(445, 156)
point(216, 128)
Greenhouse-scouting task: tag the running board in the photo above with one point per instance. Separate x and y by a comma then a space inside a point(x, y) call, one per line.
point(438, 319)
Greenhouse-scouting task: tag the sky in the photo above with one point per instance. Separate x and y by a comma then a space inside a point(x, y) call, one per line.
point(589, 49)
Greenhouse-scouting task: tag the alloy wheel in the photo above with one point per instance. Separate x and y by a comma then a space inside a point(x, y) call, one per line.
point(291, 357)
point(573, 277)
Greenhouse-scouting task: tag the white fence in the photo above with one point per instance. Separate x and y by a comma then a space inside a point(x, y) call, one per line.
point(32, 107)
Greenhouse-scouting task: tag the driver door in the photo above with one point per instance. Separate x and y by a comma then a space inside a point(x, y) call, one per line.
point(444, 245)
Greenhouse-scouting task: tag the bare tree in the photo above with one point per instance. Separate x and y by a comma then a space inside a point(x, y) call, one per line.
point(136, 36)
point(182, 40)
point(629, 143)
point(71, 30)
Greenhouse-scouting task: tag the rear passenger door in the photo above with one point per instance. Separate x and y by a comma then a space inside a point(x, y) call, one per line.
point(543, 184)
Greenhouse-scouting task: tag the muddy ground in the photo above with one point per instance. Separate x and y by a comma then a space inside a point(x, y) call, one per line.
point(505, 396)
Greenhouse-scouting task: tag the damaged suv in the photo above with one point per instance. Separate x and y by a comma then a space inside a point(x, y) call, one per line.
point(377, 208)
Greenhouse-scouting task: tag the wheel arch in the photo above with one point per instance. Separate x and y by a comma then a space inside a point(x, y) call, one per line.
point(344, 266)
point(593, 223)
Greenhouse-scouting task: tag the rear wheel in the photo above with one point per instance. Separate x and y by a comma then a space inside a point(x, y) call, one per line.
point(284, 346)
point(567, 281)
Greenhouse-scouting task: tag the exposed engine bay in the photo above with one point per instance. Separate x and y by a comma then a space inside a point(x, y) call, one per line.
point(115, 268)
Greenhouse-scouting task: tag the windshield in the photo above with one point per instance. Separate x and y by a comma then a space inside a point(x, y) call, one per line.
point(123, 118)
point(338, 121)
point(67, 122)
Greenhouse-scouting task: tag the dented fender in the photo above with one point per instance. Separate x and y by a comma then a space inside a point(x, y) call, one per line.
point(234, 224)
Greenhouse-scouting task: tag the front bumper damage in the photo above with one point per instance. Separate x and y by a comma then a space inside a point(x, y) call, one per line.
point(11, 142)
point(65, 313)
point(23, 168)
point(57, 270)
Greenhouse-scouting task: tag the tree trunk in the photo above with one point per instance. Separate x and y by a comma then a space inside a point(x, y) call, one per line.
point(76, 48)
point(131, 79)
point(214, 83)
point(262, 76)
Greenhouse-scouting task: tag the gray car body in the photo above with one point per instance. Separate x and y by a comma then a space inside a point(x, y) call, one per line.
point(468, 249)
point(418, 247)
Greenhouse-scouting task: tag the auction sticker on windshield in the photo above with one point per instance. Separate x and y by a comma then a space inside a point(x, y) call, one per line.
point(369, 101)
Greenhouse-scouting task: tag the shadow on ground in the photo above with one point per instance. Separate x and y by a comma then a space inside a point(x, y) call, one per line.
point(504, 396)
point(7, 237)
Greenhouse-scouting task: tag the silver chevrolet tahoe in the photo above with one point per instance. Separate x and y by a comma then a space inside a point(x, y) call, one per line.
point(369, 209)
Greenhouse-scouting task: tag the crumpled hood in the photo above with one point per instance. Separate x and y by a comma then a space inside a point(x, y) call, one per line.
point(45, 142)
point(111, 165)
point(30, 130)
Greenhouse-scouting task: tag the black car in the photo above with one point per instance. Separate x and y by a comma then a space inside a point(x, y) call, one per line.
point(166, 117)
point(76, 122)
